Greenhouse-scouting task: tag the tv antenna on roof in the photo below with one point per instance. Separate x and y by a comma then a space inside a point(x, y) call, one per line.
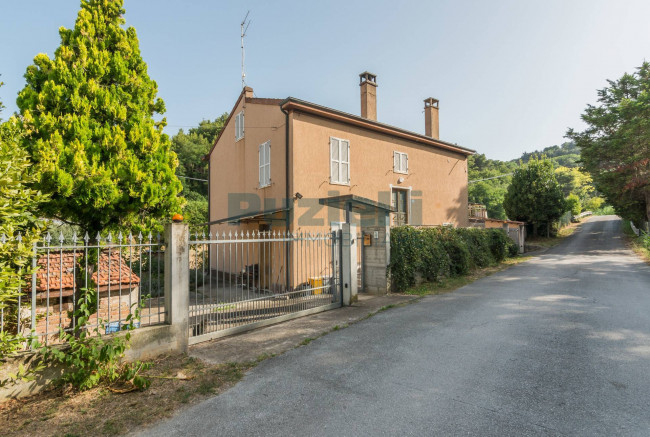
point(244, 28)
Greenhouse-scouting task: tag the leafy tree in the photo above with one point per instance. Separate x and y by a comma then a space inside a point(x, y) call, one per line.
point(88, 116)
point(191, 148)
point(615, 147)
point(489, 178)
point(196, 210)
point(565, 155)
point(20, 227)
point(490, 194)
point(534, 195)
point(573, 204)
point(488, 185)
point(594, 204)
point(573, 181)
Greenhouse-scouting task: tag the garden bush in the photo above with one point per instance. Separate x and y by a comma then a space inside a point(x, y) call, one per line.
point(436, 253)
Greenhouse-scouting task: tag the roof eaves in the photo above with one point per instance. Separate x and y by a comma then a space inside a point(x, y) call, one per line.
point(372, 123)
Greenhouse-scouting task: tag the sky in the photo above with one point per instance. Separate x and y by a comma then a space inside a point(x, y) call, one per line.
point(511, 76)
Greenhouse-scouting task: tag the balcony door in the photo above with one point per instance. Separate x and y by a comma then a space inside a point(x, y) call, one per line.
point(400, 203)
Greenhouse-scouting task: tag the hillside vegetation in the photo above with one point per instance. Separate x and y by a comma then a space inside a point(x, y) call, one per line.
point(576, 185)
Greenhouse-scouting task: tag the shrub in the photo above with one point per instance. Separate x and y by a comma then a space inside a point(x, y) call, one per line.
point(573, 204)
point(436, 253)
point(501, 246)
point(594, 203)
point(478, 244)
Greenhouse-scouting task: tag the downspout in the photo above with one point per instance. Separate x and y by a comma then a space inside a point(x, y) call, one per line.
point(289, 204)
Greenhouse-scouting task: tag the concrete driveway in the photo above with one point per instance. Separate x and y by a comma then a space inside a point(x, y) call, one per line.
point(559, 345)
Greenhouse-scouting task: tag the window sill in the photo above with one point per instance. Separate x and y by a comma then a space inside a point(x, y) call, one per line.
point(340, 183)
point(400, 172)
point(238, 139)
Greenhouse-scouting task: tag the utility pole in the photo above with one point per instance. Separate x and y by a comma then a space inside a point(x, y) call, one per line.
point(244, 27)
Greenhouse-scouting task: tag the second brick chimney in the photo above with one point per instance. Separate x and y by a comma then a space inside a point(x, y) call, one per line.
point(431, 123)
point(368, 84)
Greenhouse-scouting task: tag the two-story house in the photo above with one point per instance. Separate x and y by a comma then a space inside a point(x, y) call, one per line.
point(278, 161)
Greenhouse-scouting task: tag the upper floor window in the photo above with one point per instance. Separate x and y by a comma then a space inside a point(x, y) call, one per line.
point(339, 161)
point(265, 164)
point(400, 162)
point(239, 126)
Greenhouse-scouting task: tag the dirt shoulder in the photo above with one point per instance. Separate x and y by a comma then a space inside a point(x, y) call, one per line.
point(177, 381)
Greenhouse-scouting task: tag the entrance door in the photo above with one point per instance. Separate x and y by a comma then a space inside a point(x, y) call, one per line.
point(399, 202)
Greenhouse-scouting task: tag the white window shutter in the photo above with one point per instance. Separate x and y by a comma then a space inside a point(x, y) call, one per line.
point(267, 154)
point(239, 126)
point(345, 162)
point(396, 161)
point(334, 160)
point(261, 164)
point(404, 163)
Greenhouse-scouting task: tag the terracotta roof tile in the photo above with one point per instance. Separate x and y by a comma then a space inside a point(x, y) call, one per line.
point(56, 271)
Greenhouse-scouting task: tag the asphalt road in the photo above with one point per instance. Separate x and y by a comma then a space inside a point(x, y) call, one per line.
point(559, 345)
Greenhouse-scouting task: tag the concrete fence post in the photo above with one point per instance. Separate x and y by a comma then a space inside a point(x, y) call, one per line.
point(177, 287)
point(348, 264)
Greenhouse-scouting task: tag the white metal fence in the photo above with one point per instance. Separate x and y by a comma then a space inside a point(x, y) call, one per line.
point(118, 271)
point(239, 281)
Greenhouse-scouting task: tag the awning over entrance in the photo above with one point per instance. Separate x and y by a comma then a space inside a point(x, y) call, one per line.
point(253, 216)
point(351, 203)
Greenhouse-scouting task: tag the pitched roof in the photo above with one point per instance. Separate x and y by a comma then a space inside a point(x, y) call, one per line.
point(323, 111)
point(56, 272)
point(313, 108)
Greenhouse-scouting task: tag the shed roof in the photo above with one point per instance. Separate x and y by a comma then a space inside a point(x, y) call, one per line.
point(56, 272)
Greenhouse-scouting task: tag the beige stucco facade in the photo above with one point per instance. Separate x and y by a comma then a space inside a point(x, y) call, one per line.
point(432, 185)
point(435, 183)
point(234, 164)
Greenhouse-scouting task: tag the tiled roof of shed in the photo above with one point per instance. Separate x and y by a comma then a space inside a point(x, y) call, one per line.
point(59, 272)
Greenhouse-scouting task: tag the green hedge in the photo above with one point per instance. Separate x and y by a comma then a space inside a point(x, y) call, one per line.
point(436, 253)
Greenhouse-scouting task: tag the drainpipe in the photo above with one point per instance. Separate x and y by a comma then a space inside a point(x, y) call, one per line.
point(288, 196)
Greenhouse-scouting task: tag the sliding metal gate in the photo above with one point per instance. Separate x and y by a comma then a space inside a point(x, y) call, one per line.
point(241, 281)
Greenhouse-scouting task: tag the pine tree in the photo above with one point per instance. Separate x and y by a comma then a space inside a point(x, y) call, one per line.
point(615, 147)
point(88, 117)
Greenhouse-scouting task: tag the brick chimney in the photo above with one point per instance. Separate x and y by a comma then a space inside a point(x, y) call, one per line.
point(431, 123)
point(368, 84)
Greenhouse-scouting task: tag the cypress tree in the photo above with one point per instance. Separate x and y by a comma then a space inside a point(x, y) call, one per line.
point(88, 121)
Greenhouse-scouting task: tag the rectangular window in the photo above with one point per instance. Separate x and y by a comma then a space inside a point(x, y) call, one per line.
point(265, 164)
point(400, 162)
point(400, 203)
point(239, 126)
point(339, 161)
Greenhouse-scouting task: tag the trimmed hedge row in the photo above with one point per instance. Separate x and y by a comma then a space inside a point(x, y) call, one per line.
point(435, 253)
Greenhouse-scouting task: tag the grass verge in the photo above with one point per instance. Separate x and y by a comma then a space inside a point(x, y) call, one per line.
point(450, 284)
point(177, 381)
point(539, 243)
point(640, 245)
